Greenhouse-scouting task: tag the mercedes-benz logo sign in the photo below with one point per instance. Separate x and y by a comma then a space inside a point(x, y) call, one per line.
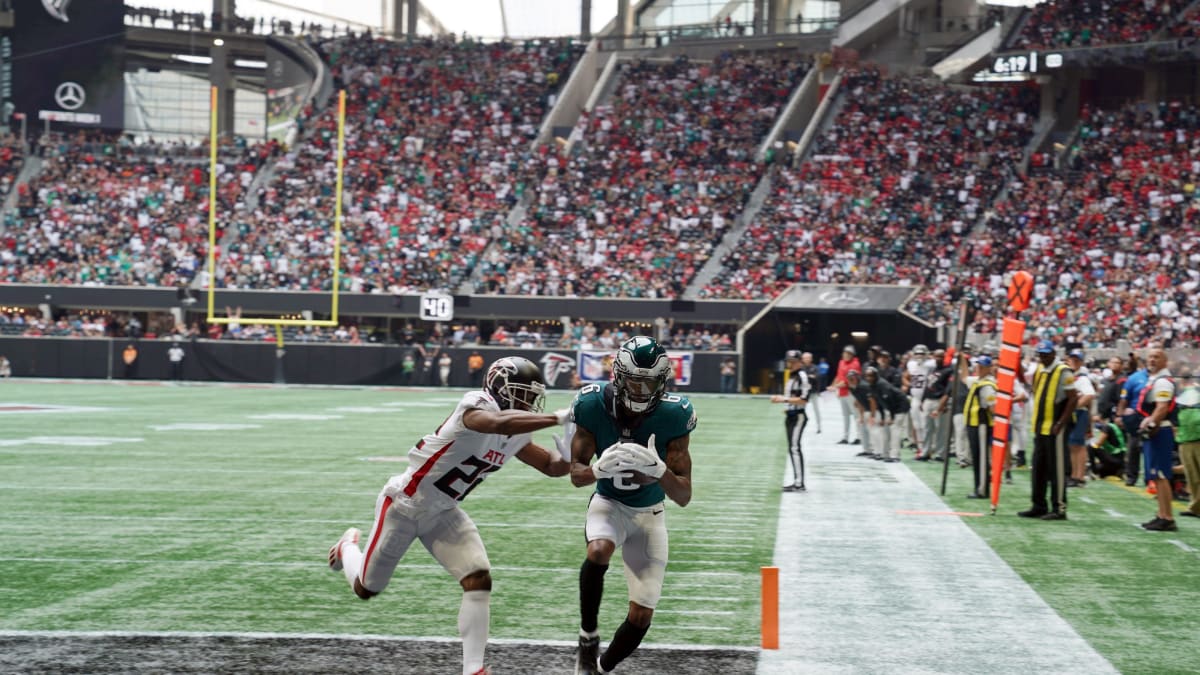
point(843, 298)
point(57, 9)
point(70, 96)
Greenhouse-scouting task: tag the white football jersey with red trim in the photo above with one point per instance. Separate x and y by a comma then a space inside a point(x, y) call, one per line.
point(919, 375)
point(446, 465)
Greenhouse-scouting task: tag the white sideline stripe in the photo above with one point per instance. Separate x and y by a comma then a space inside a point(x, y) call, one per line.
point(1114, 513)
point(18, 517)
point(865, 590)
point(1181, 545)
point(319, 565)
point(344, 637)
point(714, 545)
point(1087, 500)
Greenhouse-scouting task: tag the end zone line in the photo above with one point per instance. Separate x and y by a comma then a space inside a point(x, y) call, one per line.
point(318, 565)
point(55, 634)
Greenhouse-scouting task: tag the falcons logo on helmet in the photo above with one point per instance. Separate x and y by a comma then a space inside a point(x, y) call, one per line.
point(555, 364)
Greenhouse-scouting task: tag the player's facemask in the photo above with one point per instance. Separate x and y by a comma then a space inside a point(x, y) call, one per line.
point(529, 397)
point(639, 394)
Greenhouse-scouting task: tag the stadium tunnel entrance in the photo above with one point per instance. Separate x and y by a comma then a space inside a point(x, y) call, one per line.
point(823, 319)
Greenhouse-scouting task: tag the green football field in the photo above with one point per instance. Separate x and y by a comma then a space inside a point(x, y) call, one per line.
point(152, 509)
point(207, 508)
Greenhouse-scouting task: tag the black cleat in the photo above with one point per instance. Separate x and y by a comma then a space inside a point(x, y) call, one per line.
point(789, 488)
point(1161, 525)
point(1189, 514)
point(857, 441)
point(586, 659)
point(801, 488)
point(1055, 515)
point(976, 495)
point(1150, 522)
point(1031, 513)
point(843, 442)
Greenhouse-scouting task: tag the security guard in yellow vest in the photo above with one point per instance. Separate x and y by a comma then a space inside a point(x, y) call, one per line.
point(1053, 403)
point(977, 414)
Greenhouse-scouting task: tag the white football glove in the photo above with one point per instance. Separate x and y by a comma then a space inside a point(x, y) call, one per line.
point(563, 445)
point(563, 416)
point(646, 459)
point(613, 463)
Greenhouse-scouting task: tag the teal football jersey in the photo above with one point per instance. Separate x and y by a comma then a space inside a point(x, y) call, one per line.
point(672, 418)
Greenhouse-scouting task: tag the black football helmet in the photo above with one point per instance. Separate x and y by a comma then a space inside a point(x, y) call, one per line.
point(516, 383)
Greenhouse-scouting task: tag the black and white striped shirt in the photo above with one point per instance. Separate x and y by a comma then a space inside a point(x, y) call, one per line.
point(799, 386)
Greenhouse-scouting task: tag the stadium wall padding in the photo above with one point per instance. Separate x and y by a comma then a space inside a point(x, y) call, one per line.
point(330, 364)
point(466, 307)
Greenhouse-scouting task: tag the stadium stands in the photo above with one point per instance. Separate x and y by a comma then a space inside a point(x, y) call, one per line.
point(1092, 23)
point(105, 212)
point(438, 151)
point(890, 191)
point(1058, 24)
point(1115, 245)
point(656, 177)
point(1187, 25)
point(12, 158)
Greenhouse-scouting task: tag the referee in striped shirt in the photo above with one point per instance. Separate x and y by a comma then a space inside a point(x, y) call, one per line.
point(799, 387)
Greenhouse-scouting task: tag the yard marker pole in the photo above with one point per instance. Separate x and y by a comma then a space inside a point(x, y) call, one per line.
point(1010, 366)
point(770, 608)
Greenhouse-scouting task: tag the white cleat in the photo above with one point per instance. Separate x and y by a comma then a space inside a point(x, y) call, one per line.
point(350, 536)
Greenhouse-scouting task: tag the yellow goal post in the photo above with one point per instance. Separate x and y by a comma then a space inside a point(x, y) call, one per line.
point(212, 227)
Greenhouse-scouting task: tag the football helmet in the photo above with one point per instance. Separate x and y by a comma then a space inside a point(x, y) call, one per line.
point(640, 374)
point(516, 383)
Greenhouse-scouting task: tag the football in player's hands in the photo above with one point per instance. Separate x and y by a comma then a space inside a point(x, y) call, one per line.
point(644, 462)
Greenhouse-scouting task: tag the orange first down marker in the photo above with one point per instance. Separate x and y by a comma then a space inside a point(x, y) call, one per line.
point(770, 608)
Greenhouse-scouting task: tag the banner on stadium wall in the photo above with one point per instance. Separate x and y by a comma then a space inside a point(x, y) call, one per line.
point(68, 62)
point(287, 85)
point(596, 366)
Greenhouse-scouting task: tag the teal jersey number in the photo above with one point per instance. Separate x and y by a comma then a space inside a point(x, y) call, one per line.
point(674, 417)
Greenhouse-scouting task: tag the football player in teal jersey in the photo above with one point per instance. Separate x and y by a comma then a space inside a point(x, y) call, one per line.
point(639, 435)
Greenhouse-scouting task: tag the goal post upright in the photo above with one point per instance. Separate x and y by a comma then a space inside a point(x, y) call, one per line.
point(212, 227)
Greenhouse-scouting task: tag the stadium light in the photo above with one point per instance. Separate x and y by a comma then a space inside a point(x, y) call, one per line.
point(218, 42)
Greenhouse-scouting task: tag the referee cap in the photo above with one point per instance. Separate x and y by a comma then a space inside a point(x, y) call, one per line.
point(1045, 347)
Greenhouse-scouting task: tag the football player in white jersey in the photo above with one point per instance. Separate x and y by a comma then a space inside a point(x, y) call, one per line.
point(486, 429)
point(917, 372)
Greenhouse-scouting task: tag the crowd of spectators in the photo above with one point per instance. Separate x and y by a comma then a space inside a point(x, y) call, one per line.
point(157, 17)
point(654, 179)
point(1114, 245)
point(438, 150)
point(890, 191)
point(12, 158)
point(1058, 24)
point(103, 211)
point(1187, 25)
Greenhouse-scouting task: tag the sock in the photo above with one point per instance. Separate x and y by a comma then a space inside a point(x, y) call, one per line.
point(473, 618)
point(627, 639)
point(591, 587)
point(351, 562)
